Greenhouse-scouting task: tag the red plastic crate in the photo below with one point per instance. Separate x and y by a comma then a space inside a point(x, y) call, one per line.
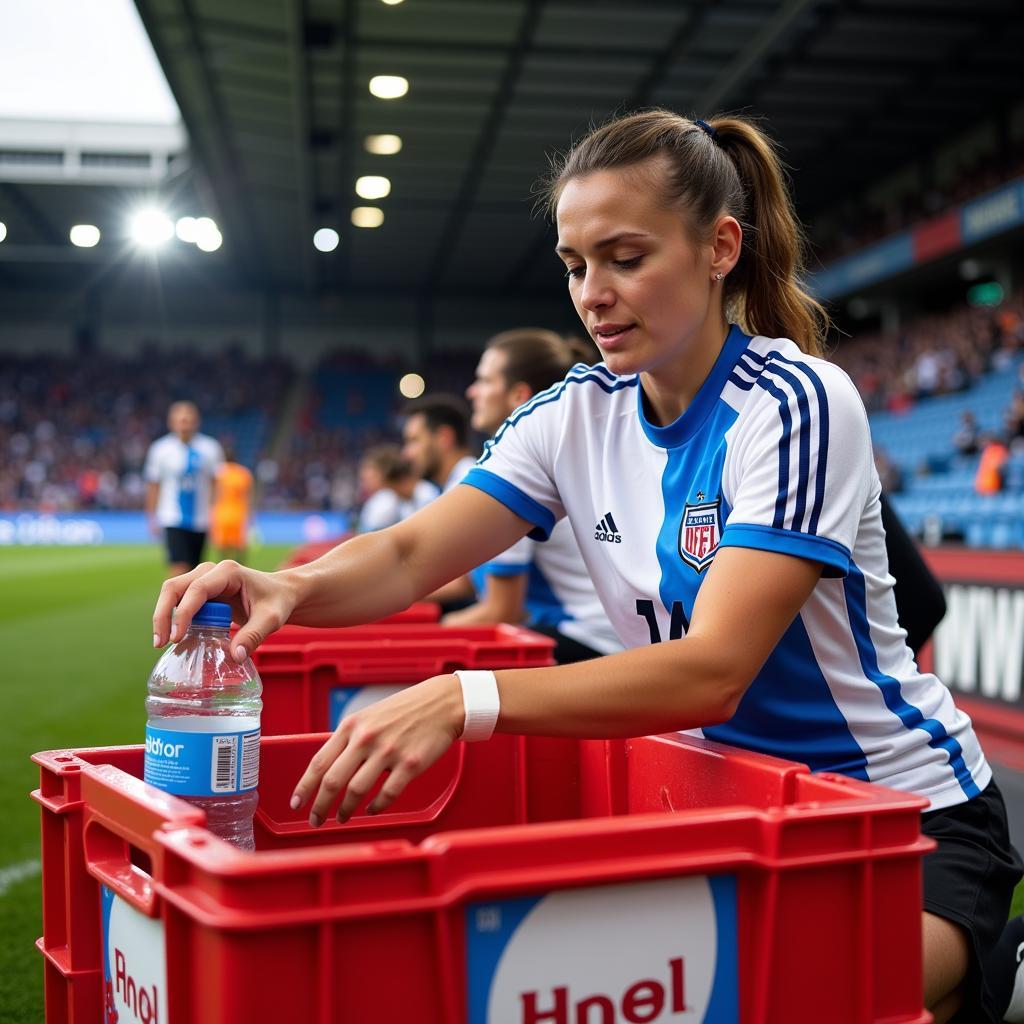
point(519, 880)
point(421, 613)
point(308, 686)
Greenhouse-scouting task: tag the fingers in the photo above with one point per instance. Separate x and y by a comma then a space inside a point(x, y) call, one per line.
point(347, 770)
point(318, 767)
point(261, 623)
point(170, 595)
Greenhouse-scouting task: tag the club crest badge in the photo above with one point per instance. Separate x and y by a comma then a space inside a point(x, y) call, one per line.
point(699, 533)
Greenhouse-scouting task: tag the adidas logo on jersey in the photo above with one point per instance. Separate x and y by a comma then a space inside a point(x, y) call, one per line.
point(606, 530)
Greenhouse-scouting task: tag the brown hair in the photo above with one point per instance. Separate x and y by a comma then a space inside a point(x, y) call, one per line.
point(387, 458)
point(732, 168)
point(539, 357)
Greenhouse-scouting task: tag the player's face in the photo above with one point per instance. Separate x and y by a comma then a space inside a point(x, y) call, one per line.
point(419, 447)
point(183, 420)
point(640, 284)
point(489, 393)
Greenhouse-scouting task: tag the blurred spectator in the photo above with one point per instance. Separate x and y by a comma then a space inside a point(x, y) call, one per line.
point(990, 476)
point(1015, 417)
point(889, 473)
point(966, 440)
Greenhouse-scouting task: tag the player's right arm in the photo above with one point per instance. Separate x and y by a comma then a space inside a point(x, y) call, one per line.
point(366, 578)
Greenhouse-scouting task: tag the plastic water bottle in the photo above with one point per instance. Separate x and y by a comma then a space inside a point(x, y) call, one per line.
point(203, 726)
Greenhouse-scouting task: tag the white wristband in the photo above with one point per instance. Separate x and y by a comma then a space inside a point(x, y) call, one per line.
point(482, 704)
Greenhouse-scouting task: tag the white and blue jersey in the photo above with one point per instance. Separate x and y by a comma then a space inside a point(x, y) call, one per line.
point(773, 453)
point(185, 473)
point(559, 591)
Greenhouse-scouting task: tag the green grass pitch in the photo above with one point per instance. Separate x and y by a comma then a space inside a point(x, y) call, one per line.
point(75, 652)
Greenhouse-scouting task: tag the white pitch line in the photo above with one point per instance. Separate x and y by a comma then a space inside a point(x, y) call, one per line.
point(16, 873)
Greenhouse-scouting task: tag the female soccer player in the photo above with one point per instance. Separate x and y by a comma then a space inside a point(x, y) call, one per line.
point(750, 582)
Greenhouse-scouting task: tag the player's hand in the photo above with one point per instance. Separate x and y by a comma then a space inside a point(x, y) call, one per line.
point(260, 603)
point(402, 736)
point(155, 529)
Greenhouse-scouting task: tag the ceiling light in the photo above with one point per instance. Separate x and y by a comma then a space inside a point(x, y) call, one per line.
point(412, 385)
point(373, 186)
point(151, 227)
point(85, 236)
point(383, 145)
point(210, 241)
point(3, 230)
point(326, 240)
point(206, 234)
point(186, 229)
point(367, 216)
point(389, 87)
point(391, 3)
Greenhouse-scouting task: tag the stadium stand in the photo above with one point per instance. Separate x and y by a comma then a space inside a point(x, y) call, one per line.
point(74, 431)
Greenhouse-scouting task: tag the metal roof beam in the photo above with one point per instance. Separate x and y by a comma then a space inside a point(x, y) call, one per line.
point(486, 141)
point(218, 158)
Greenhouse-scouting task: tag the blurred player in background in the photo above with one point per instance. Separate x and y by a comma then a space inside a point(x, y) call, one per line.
point(391, 488)
point(546, 585)
point(232, 501)
point(435, 440)
point(179, 472)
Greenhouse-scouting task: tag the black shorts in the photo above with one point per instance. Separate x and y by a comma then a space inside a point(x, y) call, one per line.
point(567, 650)
point(184, 545)
point(969, 880)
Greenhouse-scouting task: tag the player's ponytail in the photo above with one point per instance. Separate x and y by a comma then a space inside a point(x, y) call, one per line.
point(725, 165)
point(764, 287)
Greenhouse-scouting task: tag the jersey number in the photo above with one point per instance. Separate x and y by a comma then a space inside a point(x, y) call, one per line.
point(677, 627)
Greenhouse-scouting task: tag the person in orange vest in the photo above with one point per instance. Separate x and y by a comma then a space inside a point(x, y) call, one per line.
point(994, 453)
point(229, 518)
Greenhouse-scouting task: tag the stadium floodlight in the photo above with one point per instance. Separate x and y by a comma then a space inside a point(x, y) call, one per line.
point(383, 145)
point(3, 230)
point(85, 236)
point(208, 236)
point(326, 240)
point(388, 87)
point(391, 3)
point(373, 186)
point(412, 385)
point(210, 241)
point(151, 227)
point(186, 229)
point(367, 216)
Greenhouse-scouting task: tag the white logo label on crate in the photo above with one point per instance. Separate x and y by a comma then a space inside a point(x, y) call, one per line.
point(134, 964)
point(658, 952)
point(194, 755)
point(346, 700)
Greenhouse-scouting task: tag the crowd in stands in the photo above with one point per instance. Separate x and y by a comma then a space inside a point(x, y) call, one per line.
point(74, 430)
point(860, 225)
point(933, 355)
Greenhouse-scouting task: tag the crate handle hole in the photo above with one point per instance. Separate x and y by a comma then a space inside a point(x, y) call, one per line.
point(63, 760)
point(196, 840)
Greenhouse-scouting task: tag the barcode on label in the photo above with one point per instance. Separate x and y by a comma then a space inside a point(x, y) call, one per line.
point(250, 760)
point(225, 764)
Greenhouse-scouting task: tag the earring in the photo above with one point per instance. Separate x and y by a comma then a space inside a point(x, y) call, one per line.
point(719, 276)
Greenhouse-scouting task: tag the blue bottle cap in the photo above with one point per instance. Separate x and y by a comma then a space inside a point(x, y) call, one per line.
point(213, 613)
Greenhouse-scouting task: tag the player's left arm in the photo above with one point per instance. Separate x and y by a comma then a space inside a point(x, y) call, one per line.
point(745, 605)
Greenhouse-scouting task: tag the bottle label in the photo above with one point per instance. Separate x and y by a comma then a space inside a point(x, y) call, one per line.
point(190, 762)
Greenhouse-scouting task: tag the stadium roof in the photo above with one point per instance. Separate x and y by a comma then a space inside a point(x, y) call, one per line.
point(274, 97)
